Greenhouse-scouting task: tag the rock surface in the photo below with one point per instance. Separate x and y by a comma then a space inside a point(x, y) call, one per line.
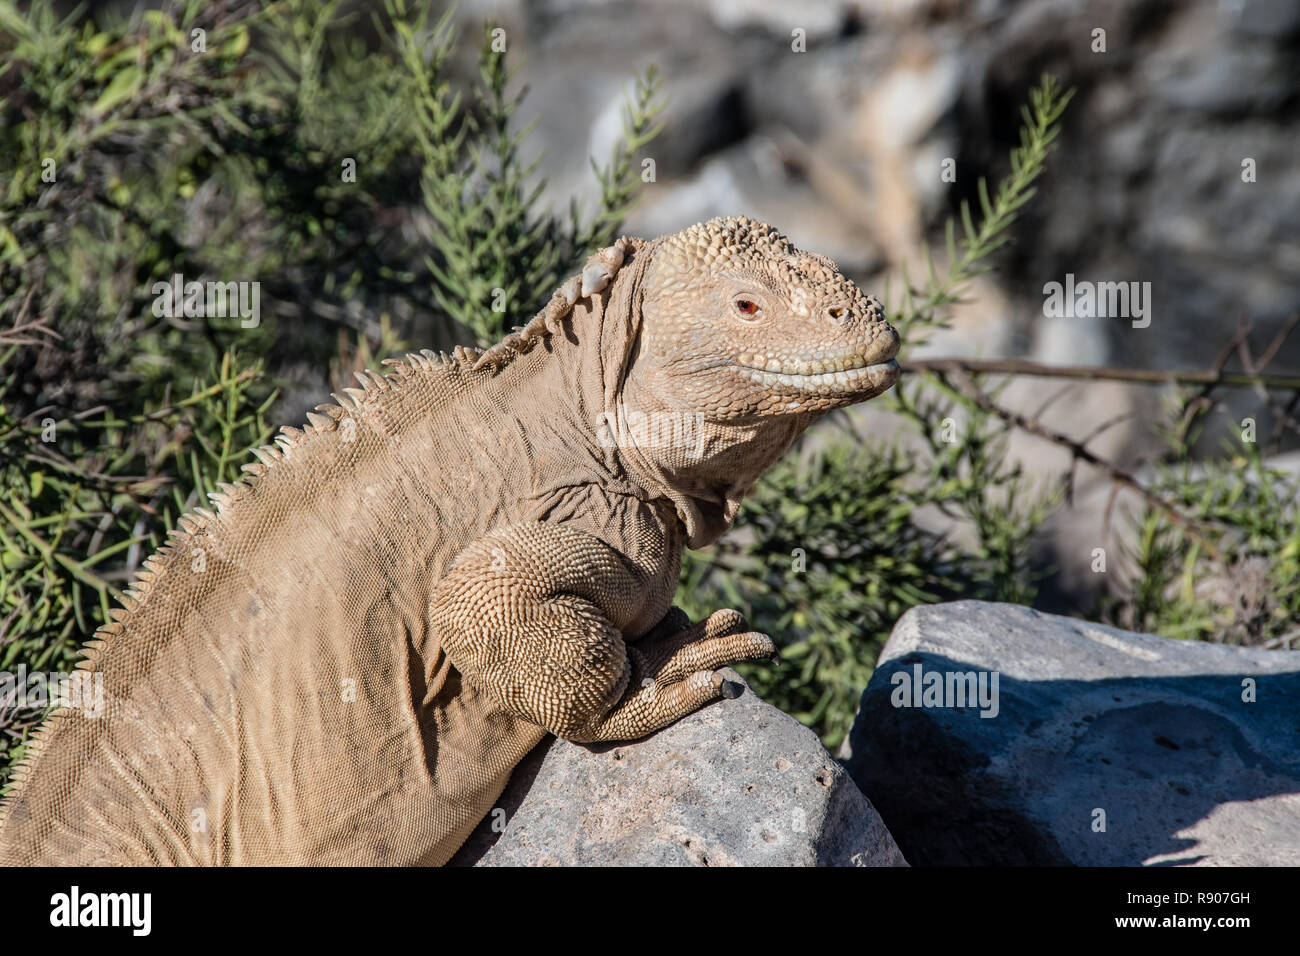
point(738, 783)
point(1189, 753)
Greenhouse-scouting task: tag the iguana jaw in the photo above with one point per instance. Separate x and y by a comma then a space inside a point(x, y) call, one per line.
point(823, 378)
point(849, 377)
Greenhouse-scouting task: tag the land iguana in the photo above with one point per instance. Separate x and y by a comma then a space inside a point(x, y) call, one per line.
point(345, 660)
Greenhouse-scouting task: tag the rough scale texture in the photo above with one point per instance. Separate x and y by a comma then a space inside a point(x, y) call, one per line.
point(344, 662)
point(1190, 750)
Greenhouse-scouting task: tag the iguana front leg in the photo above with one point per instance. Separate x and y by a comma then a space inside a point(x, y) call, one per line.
point(534, 614)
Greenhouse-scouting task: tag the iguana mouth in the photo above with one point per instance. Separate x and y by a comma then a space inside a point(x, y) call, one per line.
point(881, 375)
point(839, 372)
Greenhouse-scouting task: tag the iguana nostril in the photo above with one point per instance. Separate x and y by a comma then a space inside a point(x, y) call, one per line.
point(835, 311)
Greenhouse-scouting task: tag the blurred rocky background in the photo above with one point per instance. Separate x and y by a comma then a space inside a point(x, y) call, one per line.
point(843, 144)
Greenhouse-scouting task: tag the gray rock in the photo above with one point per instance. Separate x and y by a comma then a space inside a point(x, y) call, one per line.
point(736, 784)
point(750, 178)
point(1234, 81)
point(819, 19)
point(1152, 732)
point(1269, 18)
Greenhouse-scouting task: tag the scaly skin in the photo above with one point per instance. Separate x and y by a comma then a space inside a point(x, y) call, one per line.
point(346, 661)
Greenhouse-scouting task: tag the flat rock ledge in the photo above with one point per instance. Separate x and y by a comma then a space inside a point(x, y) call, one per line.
point(1102, 747)
point(738, 783)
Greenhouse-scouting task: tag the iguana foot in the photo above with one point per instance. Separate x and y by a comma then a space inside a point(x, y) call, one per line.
point(673, 673)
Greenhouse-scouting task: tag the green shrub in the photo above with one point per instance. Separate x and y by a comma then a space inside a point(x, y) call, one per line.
point(1236, 579)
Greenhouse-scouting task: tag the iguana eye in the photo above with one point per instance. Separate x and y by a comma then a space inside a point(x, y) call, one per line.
point(747, 307)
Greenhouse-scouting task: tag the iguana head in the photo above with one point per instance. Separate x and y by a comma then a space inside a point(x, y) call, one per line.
point(713, 348)
point(736, 323)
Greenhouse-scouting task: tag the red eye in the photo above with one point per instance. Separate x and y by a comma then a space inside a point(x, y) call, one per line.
point(746, 307)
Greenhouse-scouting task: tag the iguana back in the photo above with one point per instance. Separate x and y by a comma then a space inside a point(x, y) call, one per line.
point(269, 651)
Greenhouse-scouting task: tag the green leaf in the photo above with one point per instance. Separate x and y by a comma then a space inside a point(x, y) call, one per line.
point(124, 84)
point(236, 45)
point(96, 44)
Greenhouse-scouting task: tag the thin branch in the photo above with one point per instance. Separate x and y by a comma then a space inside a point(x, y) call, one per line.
point(1136, 376)
point(1278, 339)
point(1107, 425)
point(1052, 400)
point(966, 385)
point(1282, 641)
